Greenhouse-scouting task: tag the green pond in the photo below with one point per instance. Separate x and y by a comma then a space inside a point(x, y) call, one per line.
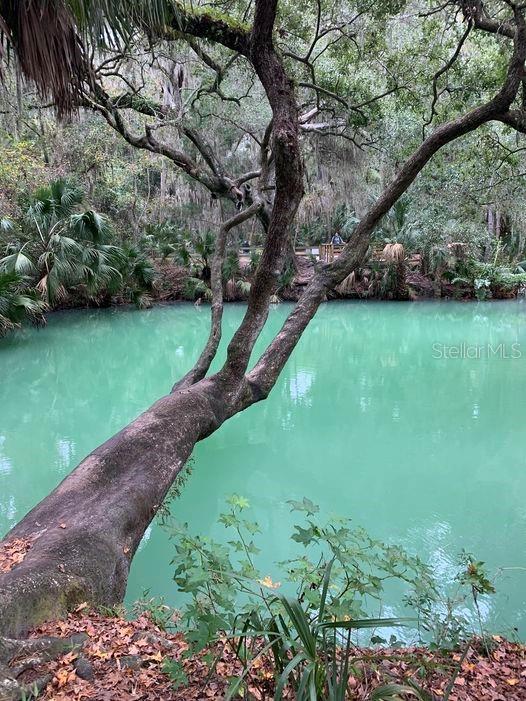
point(408, 418)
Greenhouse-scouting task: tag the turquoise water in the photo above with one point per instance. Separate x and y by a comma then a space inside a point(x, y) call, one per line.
point(369, 420)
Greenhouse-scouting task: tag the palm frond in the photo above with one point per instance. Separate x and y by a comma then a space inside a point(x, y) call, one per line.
point(90, 226)
point(244, 287)
point(17, 262)
point(111, 22)
point(204, 245)
point(53, 202)
point(44, 37)
point(6, 225)
point(194, 287)
point(17, 305)
point(64, 196)
point(393, 252)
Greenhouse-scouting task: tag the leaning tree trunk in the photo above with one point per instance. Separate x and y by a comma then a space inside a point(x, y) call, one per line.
point(81, 539)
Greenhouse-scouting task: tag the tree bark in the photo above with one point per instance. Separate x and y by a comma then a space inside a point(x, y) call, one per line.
point(85, 533)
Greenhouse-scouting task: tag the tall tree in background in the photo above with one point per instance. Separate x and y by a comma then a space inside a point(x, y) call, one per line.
point(110, 498)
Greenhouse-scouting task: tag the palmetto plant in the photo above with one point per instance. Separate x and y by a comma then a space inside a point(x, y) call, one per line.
point(166, 240)
point(16, 304)
point(395, 226)
point(203, 245)
point(62, 248)
point(195, 288)
point(192, 250)
point(231, 272)
point(231, 267)
point(137, 276)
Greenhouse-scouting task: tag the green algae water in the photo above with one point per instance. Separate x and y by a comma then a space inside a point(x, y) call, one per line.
point(408, 418)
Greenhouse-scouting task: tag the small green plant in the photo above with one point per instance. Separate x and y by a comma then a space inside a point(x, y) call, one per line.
point(310, 621)
point(448, 616)
point(116, 611)
point(30, 693)
point(164, 513)
point(175, 670)
point(313, 653)
point(482, 288)
point(474, 575)
point(158, 611)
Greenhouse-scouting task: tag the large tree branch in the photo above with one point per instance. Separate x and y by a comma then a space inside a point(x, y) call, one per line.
point(217, 182)
point(148, 142)
point(289, 185)
point(219, 70)
point(515, 119)
point(205, 25)
point(205, 149)
point(474, 10)
point(266, 371)
point(445, 68)
point(212, 178)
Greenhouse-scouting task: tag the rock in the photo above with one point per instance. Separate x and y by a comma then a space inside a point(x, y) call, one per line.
point(84, 669)
point(77, 639)
point(131, 661)
point(11, 690)
point(153, 639)
point(9, 687)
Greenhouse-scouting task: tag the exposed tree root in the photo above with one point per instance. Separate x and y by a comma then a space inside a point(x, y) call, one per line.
point(17, 657)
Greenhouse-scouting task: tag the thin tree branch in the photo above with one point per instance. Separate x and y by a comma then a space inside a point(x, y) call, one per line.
point(445, 68)
point(198, 372)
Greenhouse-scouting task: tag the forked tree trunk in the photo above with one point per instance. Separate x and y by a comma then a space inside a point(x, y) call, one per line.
point(84, 534)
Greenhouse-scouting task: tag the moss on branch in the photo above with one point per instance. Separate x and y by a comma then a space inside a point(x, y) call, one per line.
point(212, 25)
